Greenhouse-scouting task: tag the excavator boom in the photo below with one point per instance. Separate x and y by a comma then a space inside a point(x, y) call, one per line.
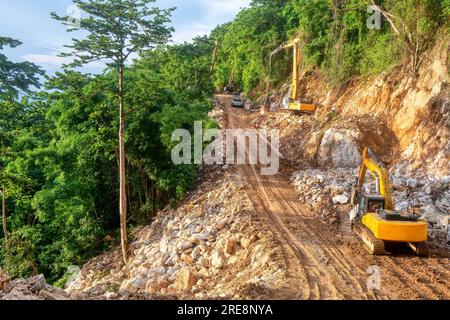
point(294, 102)
point(378, 170)
point(295, 44)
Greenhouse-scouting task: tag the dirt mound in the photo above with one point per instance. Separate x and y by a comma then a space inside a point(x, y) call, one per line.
point(209, 247)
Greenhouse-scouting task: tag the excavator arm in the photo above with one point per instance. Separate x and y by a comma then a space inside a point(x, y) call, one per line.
point(380, 173)
point(295, 44)
point(285, 46)
point(292, 102)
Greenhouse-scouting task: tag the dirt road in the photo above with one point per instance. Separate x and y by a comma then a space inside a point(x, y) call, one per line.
point(322, 264)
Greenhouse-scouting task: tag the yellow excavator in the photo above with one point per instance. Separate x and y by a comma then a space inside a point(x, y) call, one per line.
point(292, 102)
point(377, 224)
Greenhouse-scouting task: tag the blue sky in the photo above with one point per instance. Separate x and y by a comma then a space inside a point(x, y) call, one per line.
point(43, 38)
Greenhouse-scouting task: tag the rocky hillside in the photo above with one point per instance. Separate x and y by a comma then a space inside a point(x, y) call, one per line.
point(405, 119)
point(400, 116)
point(209, 247)
point(34, 288)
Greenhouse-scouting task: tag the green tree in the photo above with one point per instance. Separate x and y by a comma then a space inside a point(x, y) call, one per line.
point(15, 77)
point(117, 29)
point(415, 22)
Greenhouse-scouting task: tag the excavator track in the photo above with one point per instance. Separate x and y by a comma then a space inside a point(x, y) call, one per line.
point(293, 112)
point(374, 245)
point(421, 248)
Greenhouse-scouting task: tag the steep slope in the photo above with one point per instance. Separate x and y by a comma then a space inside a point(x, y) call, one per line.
point(403, 118)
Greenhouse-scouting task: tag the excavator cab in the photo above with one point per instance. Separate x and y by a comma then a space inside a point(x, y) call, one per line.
point(370, 203)
point(379, 223)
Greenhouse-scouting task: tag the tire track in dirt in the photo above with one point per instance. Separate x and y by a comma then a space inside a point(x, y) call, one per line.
point(417, 276)
point(319, 284)
point(296, 272)
point(312, 264)
point(341, 266)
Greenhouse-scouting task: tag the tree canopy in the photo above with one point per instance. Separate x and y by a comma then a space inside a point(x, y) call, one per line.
point(16, 77)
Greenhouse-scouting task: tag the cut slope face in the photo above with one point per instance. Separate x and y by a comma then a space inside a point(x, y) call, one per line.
point(416, 108)
point(400, 116)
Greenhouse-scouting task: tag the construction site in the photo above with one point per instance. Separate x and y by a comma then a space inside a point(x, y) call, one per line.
point(241, 235)
point(359, 208)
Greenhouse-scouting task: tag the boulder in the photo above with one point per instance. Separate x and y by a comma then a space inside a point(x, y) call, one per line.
point(186, 258)
point(259, 257)
point(37, 283)
point(217, 260)
point(204, 262)
point(164, 258)
point(203, 273)
point(185, 280)
point(151, 287)
point(48, 295)
point(194, 239)
point(173, 259)
point(340, 199)
point(110, 295)
point(159, 271)
point(184, 245)
point(196, 253)
point(340, 148)
point(132, 286)
point(247, 242)
point(163, 283)
point(230, 246)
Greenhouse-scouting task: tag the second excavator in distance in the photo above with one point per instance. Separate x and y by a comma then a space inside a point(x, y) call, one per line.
point(292, 101)
point(376, 221)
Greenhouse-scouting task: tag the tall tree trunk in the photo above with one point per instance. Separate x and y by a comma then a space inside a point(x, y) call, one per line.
point(213, 60)
point(5, 229)
point(122, 173)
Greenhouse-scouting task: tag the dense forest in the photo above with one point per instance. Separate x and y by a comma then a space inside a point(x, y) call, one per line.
point(59, 156)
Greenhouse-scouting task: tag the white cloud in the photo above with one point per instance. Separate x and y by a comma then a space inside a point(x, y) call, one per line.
point(190, 31)
point(47, 59)
point(52, 61)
